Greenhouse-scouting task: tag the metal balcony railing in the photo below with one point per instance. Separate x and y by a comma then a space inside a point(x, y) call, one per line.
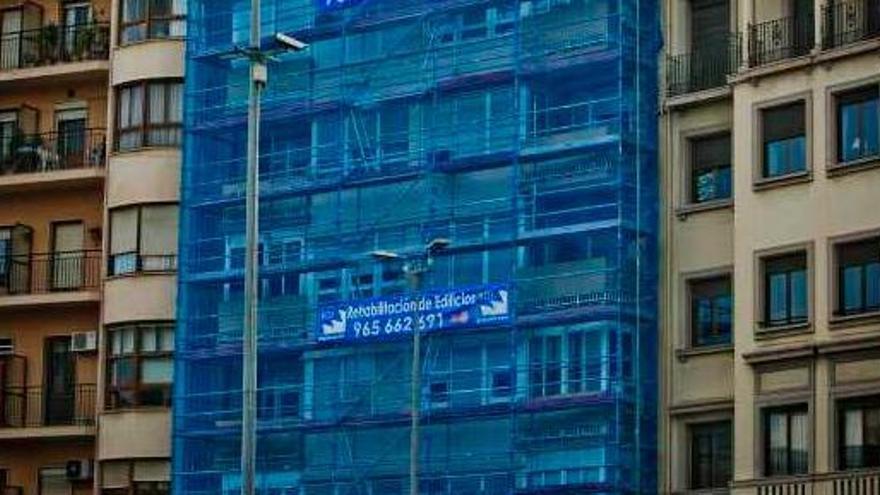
point(34, 407)
point(47, 273)
point(54, 151)
point(849, 21)
point(781, 39)
point(855, 482)
point(705, 67)
point(52, 44)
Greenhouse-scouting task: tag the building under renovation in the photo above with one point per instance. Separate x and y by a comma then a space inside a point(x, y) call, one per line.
point(482, 173)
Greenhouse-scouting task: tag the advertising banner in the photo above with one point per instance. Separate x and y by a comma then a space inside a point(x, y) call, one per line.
point(393, 317)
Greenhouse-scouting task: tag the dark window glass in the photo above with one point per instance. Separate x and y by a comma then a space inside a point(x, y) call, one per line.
point(859, 433)
point(140, 360)
point(786, 440)
point(858, 132)
point(711, 463)
point(149, 114)
point(858, 277)
point(151, 19)
point(711, 311)
point(785, 290)
point(711, 171)
point(784, 140)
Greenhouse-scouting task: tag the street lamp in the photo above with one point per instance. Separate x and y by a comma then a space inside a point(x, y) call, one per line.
point(414, 271)
point(258, 80)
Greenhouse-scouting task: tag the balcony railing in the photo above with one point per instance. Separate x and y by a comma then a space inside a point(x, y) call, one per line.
point(849, 21)
point(837, 483)
point(48, 273)
point(34, 407)
point(51, 45)
point(51, 152)
point(781, 39)
point(705, 67)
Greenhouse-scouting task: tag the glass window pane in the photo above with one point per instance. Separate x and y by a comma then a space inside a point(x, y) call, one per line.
point(128, 340)
point(157, 371)
point(852, 288)
point(148, 339)
point(159, 230)
point(777, 297)
point(799, 295)
point(872, 286)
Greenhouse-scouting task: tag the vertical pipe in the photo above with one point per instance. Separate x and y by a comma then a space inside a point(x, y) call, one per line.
point(249, 351)
point(415, 391)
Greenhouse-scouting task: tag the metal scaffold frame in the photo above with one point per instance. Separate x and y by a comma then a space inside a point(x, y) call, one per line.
point(523, 132)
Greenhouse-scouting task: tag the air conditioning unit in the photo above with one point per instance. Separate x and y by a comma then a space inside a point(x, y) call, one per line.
point(80, 470)
point(7, 347)
point(84, 342)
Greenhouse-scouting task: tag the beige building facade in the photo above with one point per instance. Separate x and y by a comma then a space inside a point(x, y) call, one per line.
point(771, 293)
point(90, 133)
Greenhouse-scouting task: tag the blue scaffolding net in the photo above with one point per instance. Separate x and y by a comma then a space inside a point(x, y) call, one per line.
point(520, 137)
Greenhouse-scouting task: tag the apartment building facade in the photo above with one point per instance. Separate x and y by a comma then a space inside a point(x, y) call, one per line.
point(770, 155)
point(494, 161)
point(89, 160)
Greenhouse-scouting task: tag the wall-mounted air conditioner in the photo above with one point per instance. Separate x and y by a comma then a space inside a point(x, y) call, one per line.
point(80, 469)
point(84, 342)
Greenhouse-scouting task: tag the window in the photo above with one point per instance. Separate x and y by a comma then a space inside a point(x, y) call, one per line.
point(711, 302)
point(141, 477)
point(710, 168)
point(151, 19)
point(858, 132)
point(140, 365)
point(53, 481)
point(784, 140)
point(785, 290)
point(858, 277)
point(149, 114)
point(786, 437)
point(859, 433)
point(143, 239)
point(568, 361)
point(710, 452)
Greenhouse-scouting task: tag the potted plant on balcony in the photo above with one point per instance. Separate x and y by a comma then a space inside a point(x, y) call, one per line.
point(84, 41)
point(47, 42)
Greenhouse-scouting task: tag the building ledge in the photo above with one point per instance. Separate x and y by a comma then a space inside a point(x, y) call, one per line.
point(692, 352)
point(55, 74)
point(47, 432)
point(690, 209)
point(702, 406)
point(840, 169)
point(697, 98)
point(64, 298)
point(60, 179)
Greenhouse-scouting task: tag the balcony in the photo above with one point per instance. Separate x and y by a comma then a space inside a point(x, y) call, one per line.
point(849, 21)
point(47, 413)
point(36, 160)
point(780, 39)
point(703, 68)
point(56, 278)
point(836, 483)
point(27, 53)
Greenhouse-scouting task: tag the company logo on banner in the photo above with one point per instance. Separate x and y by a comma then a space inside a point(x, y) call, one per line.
point(335, 4)
point(386, 318)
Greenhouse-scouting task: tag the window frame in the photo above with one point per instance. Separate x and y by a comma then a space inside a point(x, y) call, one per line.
point(762, 329)
point(789, 409)
point(759, 180)
point(837, 317)
point(715, 276)
point(145, 128)
point(147, 21)
point(691, 464)
point(841, 406)
point(854, 95)
point(138, 356)
point(584, 384)
point(834, 166)
point(170, 259)
point(693, 167)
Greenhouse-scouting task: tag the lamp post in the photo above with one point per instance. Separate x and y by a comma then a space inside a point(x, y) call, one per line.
point(414, 271)
point(258, 80)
